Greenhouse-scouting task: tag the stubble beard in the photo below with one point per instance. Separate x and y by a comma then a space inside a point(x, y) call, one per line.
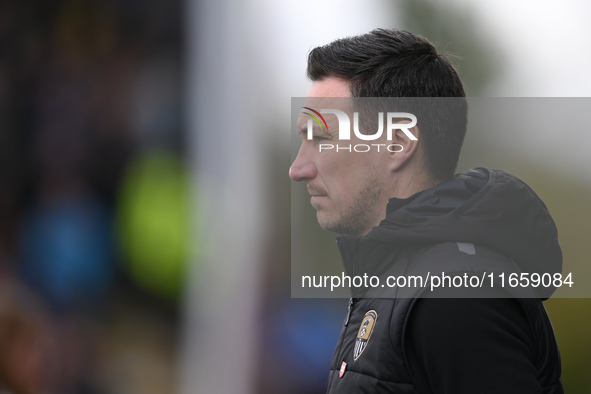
point(359, 216)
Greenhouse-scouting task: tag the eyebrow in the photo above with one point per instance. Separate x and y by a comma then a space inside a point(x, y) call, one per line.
point(319, 115)
point(316, 119)
point(302, 124)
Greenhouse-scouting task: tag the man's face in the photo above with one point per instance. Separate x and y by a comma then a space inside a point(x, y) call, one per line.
point(346, 188)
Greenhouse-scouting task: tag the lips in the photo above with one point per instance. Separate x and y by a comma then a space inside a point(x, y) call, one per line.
point(316, 192)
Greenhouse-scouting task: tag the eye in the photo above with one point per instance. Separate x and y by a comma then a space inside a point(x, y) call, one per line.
point(321, 137)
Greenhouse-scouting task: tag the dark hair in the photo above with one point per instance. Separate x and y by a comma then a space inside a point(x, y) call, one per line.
point(396, 63)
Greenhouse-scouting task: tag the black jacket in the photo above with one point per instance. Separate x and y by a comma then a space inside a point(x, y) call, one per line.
point(414, 340)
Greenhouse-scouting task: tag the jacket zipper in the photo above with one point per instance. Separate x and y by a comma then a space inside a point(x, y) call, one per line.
point(349, 310)
point(343, 333)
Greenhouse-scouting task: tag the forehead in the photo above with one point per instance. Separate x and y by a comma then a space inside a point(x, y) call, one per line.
point(327, 93)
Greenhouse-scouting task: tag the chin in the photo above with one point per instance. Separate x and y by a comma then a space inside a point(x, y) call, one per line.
point(335, 227)
point(325, 223)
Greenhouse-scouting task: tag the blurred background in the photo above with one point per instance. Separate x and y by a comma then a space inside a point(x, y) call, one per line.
point(144, 198)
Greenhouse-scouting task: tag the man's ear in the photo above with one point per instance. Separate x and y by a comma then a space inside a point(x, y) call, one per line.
point(402, 148)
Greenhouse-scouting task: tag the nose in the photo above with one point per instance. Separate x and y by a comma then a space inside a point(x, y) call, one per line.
point(302, 168)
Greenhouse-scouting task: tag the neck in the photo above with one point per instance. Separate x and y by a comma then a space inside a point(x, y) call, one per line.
point(403, 186)
point(408, 184)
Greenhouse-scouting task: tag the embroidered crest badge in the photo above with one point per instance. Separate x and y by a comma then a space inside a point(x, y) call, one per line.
point(365, 330)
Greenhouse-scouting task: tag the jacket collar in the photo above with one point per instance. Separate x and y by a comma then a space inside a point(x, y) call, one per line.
point(366, 257)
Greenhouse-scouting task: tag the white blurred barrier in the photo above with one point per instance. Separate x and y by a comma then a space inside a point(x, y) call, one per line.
point(219, 350)
point(244, 61)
